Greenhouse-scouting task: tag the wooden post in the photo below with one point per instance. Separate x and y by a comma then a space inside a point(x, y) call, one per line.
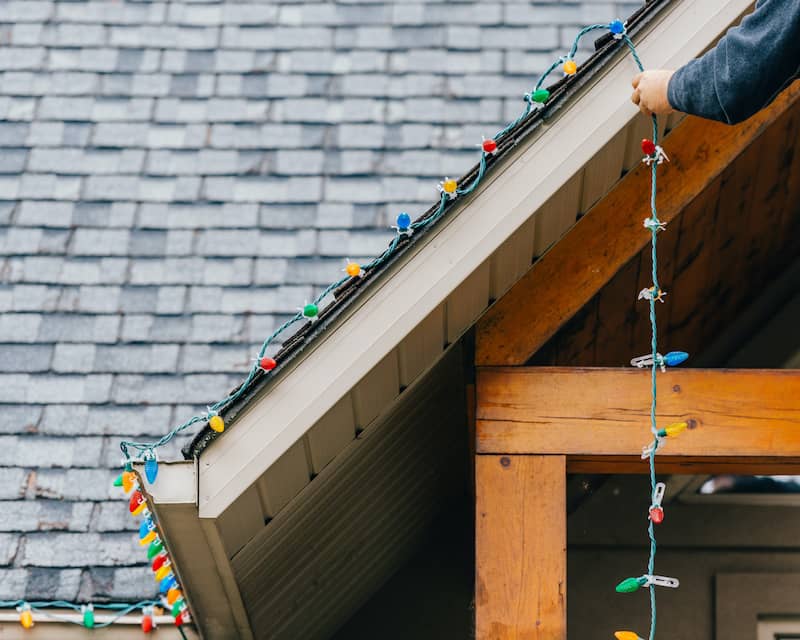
point(521, 548)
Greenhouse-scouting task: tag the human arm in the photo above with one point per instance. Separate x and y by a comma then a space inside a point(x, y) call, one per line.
point(741, 75)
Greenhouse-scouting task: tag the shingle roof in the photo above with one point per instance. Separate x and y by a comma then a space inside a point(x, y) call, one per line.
point(175, 179)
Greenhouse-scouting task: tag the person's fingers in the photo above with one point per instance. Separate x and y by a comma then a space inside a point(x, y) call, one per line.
point(636, 97)
point(636, 79)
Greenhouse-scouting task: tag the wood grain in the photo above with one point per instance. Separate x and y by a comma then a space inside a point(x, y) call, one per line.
point(605, 412)
point(610, 234)
point(521, 548)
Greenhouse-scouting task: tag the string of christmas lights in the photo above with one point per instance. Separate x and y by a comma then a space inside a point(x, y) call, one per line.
point(29, 611)
point(449, 189)
point(150, 537)
point(654, 155)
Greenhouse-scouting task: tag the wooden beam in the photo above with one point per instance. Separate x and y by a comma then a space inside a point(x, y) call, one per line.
point(610, 234)
point(737, 417)
point(739, 465)
point(521, 548)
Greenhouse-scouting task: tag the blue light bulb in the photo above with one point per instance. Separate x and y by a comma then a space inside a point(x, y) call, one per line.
point(151, 469)
point(616, 27)
point(167, 583)
point(674, 358)
point(403, 222)
point(145, 527)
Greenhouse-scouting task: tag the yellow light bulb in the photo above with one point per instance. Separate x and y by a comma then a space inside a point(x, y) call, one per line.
point(675, 429)
point(217, 424)
point(26, 618)
point(570, 67)
point(148, 538)
point(626, 635)
point(163, 572)
point(449, 186)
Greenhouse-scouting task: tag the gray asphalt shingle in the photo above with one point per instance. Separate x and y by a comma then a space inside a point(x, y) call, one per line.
point(175, 178)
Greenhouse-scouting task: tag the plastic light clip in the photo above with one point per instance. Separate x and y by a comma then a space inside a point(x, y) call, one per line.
point(658, 157)
point(652, 448)
point(650, 293)
point(662, 581)
point(658, 494)
point(672, 359)
point(653, 224)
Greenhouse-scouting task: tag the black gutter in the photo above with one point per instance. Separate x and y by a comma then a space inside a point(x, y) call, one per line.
point(606, 47)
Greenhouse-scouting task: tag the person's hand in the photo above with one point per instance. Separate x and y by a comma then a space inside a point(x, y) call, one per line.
point(650, 92)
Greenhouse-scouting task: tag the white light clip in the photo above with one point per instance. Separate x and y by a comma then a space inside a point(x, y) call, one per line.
point(650, 223)
point(652, 448)
point(641, 362)
point(658, 494)
point(658, 157)
point(662, 581)
point(648, 293)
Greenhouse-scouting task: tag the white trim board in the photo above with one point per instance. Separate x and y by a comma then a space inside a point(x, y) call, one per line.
point(394, 306)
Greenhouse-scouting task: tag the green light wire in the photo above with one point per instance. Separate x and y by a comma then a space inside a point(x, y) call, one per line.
point(41, 607)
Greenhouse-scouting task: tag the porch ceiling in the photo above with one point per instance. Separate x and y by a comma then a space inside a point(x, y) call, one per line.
point(731, 242)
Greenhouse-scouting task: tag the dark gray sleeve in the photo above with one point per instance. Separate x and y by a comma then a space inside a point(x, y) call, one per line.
point(747, 68)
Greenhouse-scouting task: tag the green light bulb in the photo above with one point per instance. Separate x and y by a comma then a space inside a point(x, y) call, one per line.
point(176, 608)
point(629, 585)
point(541, 95)
point(154, 549)
point(88, 617)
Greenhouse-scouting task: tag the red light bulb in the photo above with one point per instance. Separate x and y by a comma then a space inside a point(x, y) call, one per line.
point(489, 146)
point(267, 363)
point(159, 561)
point(136, 500)
point(657, 515)
point(648, 147)
point(147, 624)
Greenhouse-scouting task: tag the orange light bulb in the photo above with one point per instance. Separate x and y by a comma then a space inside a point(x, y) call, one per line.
point(353, 269)
point(173, 594)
